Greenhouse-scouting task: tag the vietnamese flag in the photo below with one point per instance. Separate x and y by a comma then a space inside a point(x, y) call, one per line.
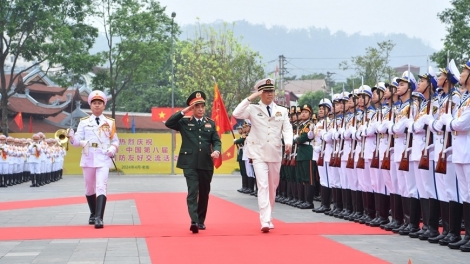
point(220, 117)
point(229, 153)
point(19, 120)
point(125, 120)
point(163, 113)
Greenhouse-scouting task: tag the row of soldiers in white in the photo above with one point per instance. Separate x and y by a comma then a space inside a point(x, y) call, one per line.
point(401, 114)
point(37, 159)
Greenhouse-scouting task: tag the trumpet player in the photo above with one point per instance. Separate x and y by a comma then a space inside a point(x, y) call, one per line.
point(34, 160)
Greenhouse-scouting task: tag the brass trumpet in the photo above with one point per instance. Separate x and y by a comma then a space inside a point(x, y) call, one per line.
point(61, 135)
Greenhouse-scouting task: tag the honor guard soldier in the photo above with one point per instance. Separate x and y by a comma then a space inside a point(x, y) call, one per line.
point(451, 203)
point(460, 127)
point(200, 145)
point(290, 159)
point(305, 167)
point(268, 122)
point(34, 160)
point(252, 189)
point(96, 134)
point(424, 169)
point(3, 161)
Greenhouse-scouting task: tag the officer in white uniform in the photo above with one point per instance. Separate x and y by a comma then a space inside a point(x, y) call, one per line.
point(264, 145)
point(97, 135)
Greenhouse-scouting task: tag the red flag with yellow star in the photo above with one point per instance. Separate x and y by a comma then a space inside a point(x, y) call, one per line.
point(229, 153)
point(19, 120)
point(220, 117)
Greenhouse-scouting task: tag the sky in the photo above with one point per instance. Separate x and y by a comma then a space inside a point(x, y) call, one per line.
point(415, 18)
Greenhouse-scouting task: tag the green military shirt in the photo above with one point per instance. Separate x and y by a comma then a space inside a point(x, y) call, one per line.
point(240, 142)
point(198, 141)
point(304, 147)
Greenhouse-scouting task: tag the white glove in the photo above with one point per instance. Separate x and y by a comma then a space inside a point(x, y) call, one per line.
point(84, 145)
point(71, 133)
point(295, 137)
point(351, 131)
point(310, 134)
point(311, 127)
point(446, 119)
point(362, 130)
point(336, 135)
point(448, 151)
point(383, 127)
point(438, 125)
point(391, 149)
point(427, 118)
point(111, 151)
point(317, 149)
point(409, 122)
point(430, 147)
point(389, 127)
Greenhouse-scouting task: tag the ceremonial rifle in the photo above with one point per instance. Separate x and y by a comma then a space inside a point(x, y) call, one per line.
point(293, 161)
point(441, 166)
point(350, 162)
point(361, 162)
point(391, 140)
point(375, 156)
point(341, 140)
point(405, 161)
point(424, 161)
point(335, 125)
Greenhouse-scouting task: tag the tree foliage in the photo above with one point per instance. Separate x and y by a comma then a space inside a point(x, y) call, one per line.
point(139, 36)
point(374, 65)
point(212, 53)
point(51, 34)
point(313, 99)
point(457, 40)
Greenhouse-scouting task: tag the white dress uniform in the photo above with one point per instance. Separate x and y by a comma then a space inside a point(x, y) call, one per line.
point(318, 143)
point(96, 140)
point(347, 181)
point(264, 146)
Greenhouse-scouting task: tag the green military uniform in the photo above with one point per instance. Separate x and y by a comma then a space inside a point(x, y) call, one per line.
point(199, 140)
point(240, 142)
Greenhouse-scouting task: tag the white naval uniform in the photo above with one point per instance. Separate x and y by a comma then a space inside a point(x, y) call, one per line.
point(264, 147)
point(96, 141)
point(460, 126)
point(318, 143)
point(425, 179)
point(368, 175)
point(333, 172)
point(406, 179)
point(446, 183)
point(347, 181)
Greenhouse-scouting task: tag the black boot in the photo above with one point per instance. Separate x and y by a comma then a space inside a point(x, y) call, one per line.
point(2, 181)
point(309, 192)
point(445, 223)
point(325, 200)
point(433, 220)
point(425, 212)
point(392, 204)
point(455, 220)
point(415, 215)
point(244, 184)
point(91, 199)
point(250, 185)
point(382, 213)
point(466, 238)
point(301, 195)
point(99, 212)
point(339, 202)
point(367, 209)
point(397, 214)
point(33, 181)
point(288, 197)
point(354, 206)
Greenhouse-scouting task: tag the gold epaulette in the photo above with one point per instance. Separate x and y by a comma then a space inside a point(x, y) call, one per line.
point(84, 118)
point(112, 119)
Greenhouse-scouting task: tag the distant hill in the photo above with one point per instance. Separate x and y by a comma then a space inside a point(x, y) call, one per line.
point(320, 43)
point(299, 45)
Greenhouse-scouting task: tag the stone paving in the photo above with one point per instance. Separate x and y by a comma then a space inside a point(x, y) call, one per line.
point(391, 248)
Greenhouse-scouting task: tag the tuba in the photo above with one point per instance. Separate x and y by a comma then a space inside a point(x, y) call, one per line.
point(61, 136)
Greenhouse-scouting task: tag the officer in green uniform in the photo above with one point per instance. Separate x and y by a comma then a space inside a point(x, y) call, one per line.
point(289, 169)
point(200, 144)
point(305, 166)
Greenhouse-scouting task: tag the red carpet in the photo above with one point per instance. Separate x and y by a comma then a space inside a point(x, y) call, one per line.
point(231, 229)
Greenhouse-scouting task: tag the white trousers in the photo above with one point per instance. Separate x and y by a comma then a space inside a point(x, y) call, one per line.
point(463, 175)
point(425, 181)
point(334, 177)
point(249, 169)
point(364, 177)
point(35, 168)
point(96, 180)
point(323, 172)
point(267, 180)
point(344, 175)
point(447, 184)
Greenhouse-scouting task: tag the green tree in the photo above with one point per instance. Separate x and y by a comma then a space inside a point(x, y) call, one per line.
point(313, 76)
point(313, 99)
point(144, 32)
point(212, 53)
point(51, 34)
point(374, 65)
point(457, 40)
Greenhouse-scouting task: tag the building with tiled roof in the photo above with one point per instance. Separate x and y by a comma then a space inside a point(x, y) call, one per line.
point(47, 107)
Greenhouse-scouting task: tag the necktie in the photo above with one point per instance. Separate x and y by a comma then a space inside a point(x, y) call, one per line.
point(269, 112)
point(97, 120)
point(199, 122)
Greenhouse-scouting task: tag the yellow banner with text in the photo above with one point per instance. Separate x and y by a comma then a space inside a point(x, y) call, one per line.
point(145, 153)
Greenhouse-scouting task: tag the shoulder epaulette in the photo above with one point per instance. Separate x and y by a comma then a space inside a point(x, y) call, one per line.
point(112, 119)
point(208, 119)
point(186, 117)
point(84, 118)
point(456, 93)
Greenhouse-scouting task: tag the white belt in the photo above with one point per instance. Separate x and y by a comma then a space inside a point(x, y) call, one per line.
point(306, 143)
point(98, 145)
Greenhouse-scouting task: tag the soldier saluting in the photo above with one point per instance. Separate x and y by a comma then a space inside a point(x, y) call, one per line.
point(200, 144)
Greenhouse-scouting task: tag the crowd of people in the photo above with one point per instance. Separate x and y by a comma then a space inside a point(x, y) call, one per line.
point(389, 156)
point(37, 159)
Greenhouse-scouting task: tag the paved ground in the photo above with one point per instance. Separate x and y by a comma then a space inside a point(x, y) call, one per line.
point(392, 248)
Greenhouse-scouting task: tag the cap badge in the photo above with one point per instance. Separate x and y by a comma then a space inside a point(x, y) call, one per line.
point(268, 81)
point(198, 95)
